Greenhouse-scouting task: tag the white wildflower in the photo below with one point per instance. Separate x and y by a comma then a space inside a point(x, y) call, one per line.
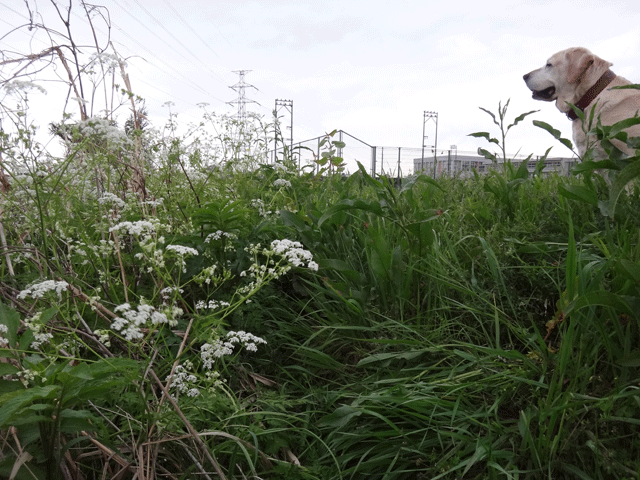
point(134, 228)
point(183, 380)
point(218, 235)
point(211, 304)
point(103, 337)
point(22, 86)
point(3, 341)
point(259, 205)
point(38, 290)
point(168, 292)
point(280, 167)
point(281, 182)
point(193, 392)
point(40, 338)
point(209, 352)
point(154, 203)
point(294, 253)
point(132, 321)
point(110, 198)
point(182, 250)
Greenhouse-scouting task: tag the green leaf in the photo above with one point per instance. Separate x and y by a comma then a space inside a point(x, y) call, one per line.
point(601, 298)
point(8, 386)
point(626, 176)
point(386, 357)
point(74, 421)
point(633, 86)
point(349, 204)
point(7, 369)
point(13, 402)
point(487, 154)
point(579, 193)
point(294, 220)
point(486, 136)
point(632, 360)
point(555, 133)
point(334, 264)
point(490, 113)
point(519, 118)
point(523, 169)
point(340, 417)
point(629, 269)
point(590, 166)
point(10, 318)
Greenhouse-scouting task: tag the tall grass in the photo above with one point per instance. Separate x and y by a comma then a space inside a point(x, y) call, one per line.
point(155, 326)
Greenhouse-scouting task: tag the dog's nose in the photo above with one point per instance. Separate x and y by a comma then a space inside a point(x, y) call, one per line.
point(526, 76)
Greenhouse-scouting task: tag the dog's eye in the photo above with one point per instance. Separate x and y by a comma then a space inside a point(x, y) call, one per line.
point(548, 65)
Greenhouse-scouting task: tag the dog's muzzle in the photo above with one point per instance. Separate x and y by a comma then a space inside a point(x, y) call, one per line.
point(547, 95)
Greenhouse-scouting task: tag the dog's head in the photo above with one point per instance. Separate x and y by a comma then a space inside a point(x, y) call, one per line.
point(566, 76)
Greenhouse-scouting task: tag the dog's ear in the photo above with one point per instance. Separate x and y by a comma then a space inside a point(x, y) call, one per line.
point(579, 62)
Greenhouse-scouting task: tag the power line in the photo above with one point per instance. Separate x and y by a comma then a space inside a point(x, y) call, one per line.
point(175, 38)
point(160, 38)
point(184, 79)
point(186, 24)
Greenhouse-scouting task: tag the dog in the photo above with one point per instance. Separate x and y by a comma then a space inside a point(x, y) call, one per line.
point(579, 77)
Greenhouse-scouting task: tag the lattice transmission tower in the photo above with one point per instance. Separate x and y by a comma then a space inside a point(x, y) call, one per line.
point(241, 101)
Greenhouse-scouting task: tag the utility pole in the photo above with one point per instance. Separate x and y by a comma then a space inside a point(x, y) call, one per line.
point(430, 116)
point(288, 106)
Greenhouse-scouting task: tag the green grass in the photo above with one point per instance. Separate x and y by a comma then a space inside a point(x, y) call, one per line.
point(458, 328)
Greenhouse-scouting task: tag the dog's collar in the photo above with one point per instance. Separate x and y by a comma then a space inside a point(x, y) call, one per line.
point(592, 93)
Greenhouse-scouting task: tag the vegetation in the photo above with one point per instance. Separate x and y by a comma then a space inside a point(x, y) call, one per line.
point(174, 306)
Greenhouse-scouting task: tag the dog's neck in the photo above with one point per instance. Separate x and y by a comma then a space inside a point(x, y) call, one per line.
point(597, 88)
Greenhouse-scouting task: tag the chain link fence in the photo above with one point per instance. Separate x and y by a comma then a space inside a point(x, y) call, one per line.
point(400, 162)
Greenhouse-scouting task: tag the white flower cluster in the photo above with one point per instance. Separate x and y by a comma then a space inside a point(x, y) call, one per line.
point(154, 203)
point(154, 256)
point(168, 292)
point(109, 198)
point(38, 290)
point(281, 182)
point(3, 341)
point(109, 61)
point(103, 337)
point(218, 235)
point(183, 381)
point(140, 227)
point(104, 130)
point(181, 250)
point(281, 167)
point(209, 352)
point(259, 205)
point(211, 304)
point(22, 86)
point(294, 253)
point(36, 328)
point(132, 321)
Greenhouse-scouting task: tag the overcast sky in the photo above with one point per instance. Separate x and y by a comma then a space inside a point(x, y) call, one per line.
point(369, 67)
